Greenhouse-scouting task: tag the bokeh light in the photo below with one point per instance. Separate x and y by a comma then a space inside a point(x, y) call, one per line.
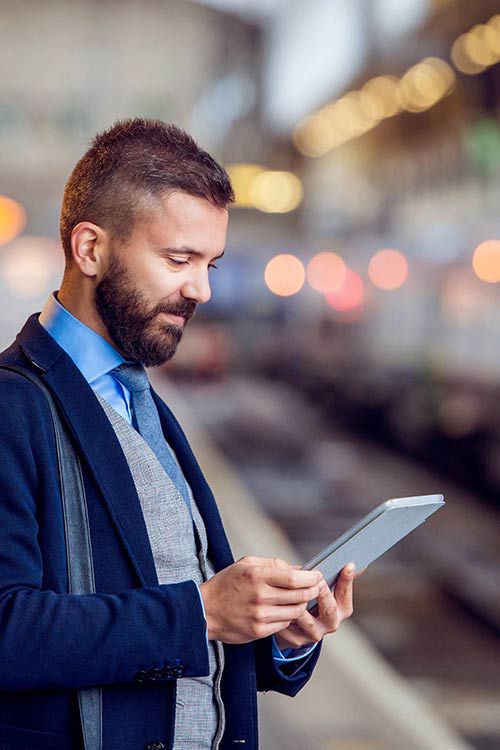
point(276, 192)
point(242, 177)
point(351, 114)
point(350, 295)
point(425, 84)
point(486, 261)
point(461, 58)
point(462, 297)
point(326, 272)
point(388, 269)
point(267, 190)
point(314, 135)
point(357, 112)
point(385, 90)
point(491, 35)
point(460, 414)
point(478, 48)
point(285, 275)
point(12, 219)
point(27, 266)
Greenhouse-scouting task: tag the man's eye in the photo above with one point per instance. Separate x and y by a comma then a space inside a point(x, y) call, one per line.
point(178, 262)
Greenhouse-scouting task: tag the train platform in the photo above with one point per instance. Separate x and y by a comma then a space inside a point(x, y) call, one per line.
point(356, 700)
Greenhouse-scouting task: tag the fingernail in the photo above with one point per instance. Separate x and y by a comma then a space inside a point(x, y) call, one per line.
point(350, 568)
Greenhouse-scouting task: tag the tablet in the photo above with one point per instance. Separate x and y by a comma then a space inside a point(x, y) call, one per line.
point(377, 532)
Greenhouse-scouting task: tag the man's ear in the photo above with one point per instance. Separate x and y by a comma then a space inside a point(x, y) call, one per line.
point(89, 248)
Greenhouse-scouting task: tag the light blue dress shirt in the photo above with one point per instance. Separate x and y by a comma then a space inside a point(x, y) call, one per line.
point(95, 358)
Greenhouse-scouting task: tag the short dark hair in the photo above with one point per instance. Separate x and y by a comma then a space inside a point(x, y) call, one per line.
point(134, 160)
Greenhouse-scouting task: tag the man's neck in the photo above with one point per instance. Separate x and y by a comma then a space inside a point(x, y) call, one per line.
point(77, 300)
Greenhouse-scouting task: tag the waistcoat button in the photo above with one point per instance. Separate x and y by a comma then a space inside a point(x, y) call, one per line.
point(155, 746)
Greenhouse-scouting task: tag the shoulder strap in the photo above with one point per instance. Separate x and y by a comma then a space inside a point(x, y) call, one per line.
point(80, 565)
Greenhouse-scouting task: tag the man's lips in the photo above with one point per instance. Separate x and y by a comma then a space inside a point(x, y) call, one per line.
point(177, 319)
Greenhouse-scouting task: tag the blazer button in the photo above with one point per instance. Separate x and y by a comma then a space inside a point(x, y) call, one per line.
point(155, 746)
point(154, 675)
point(140, 677)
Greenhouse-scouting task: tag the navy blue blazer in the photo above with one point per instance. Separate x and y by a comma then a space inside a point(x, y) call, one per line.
point(133, 637)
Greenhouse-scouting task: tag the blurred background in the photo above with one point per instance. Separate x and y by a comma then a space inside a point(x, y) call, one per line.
point(351, 349)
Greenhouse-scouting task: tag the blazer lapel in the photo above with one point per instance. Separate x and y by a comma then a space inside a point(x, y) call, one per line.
point(96, 441)
point(218, 546)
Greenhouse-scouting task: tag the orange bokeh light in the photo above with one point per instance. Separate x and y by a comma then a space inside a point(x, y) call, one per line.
point(326, 272)
point(285, 275)
point(388, 269)
point(12, 219)
point(486, 261)
point(463, 298)
point(350, 295)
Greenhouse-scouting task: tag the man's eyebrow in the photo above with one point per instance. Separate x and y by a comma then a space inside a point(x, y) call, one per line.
point(186, 251)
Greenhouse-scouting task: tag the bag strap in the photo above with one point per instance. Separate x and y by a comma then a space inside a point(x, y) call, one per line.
point(79, 561)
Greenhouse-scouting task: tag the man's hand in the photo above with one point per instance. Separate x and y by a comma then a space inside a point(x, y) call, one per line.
point(256, 597)
point(332, 608)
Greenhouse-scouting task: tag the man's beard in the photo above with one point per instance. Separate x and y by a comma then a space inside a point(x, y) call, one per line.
point(130, 322)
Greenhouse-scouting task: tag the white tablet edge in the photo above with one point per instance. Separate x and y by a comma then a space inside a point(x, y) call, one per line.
point(399, 502)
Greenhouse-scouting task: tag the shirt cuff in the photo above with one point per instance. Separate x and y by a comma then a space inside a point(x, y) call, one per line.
point(290, 654)
point(204, 613)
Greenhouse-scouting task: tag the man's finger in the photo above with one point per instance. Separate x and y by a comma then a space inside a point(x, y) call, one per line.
point(286, 612)
point(328, 611)
point(266, 562)
point(343, 590)
point(290, 578)
point(310, 627)
point(270, 628)
point(279, 596)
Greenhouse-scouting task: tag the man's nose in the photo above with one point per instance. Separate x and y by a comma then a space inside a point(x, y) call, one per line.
point(197, 287)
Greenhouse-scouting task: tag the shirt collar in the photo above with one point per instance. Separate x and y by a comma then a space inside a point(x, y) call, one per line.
point(91, 353)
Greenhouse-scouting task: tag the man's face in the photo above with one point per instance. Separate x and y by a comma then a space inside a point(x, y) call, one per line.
point(155, 280)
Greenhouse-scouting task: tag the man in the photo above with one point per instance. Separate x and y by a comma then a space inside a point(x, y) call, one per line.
point(178, 638)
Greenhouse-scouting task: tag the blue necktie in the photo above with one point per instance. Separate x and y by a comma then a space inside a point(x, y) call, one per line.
point(147, 422)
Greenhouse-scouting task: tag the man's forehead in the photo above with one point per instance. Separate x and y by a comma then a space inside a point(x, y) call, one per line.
point(185, 207)
point(180, 210)
point(184, 222)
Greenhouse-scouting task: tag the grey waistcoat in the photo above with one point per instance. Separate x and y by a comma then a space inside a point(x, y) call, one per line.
point(199, 712)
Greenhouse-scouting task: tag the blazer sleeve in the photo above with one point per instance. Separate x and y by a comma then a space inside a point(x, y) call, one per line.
point(59, 640)
point(283, 678)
